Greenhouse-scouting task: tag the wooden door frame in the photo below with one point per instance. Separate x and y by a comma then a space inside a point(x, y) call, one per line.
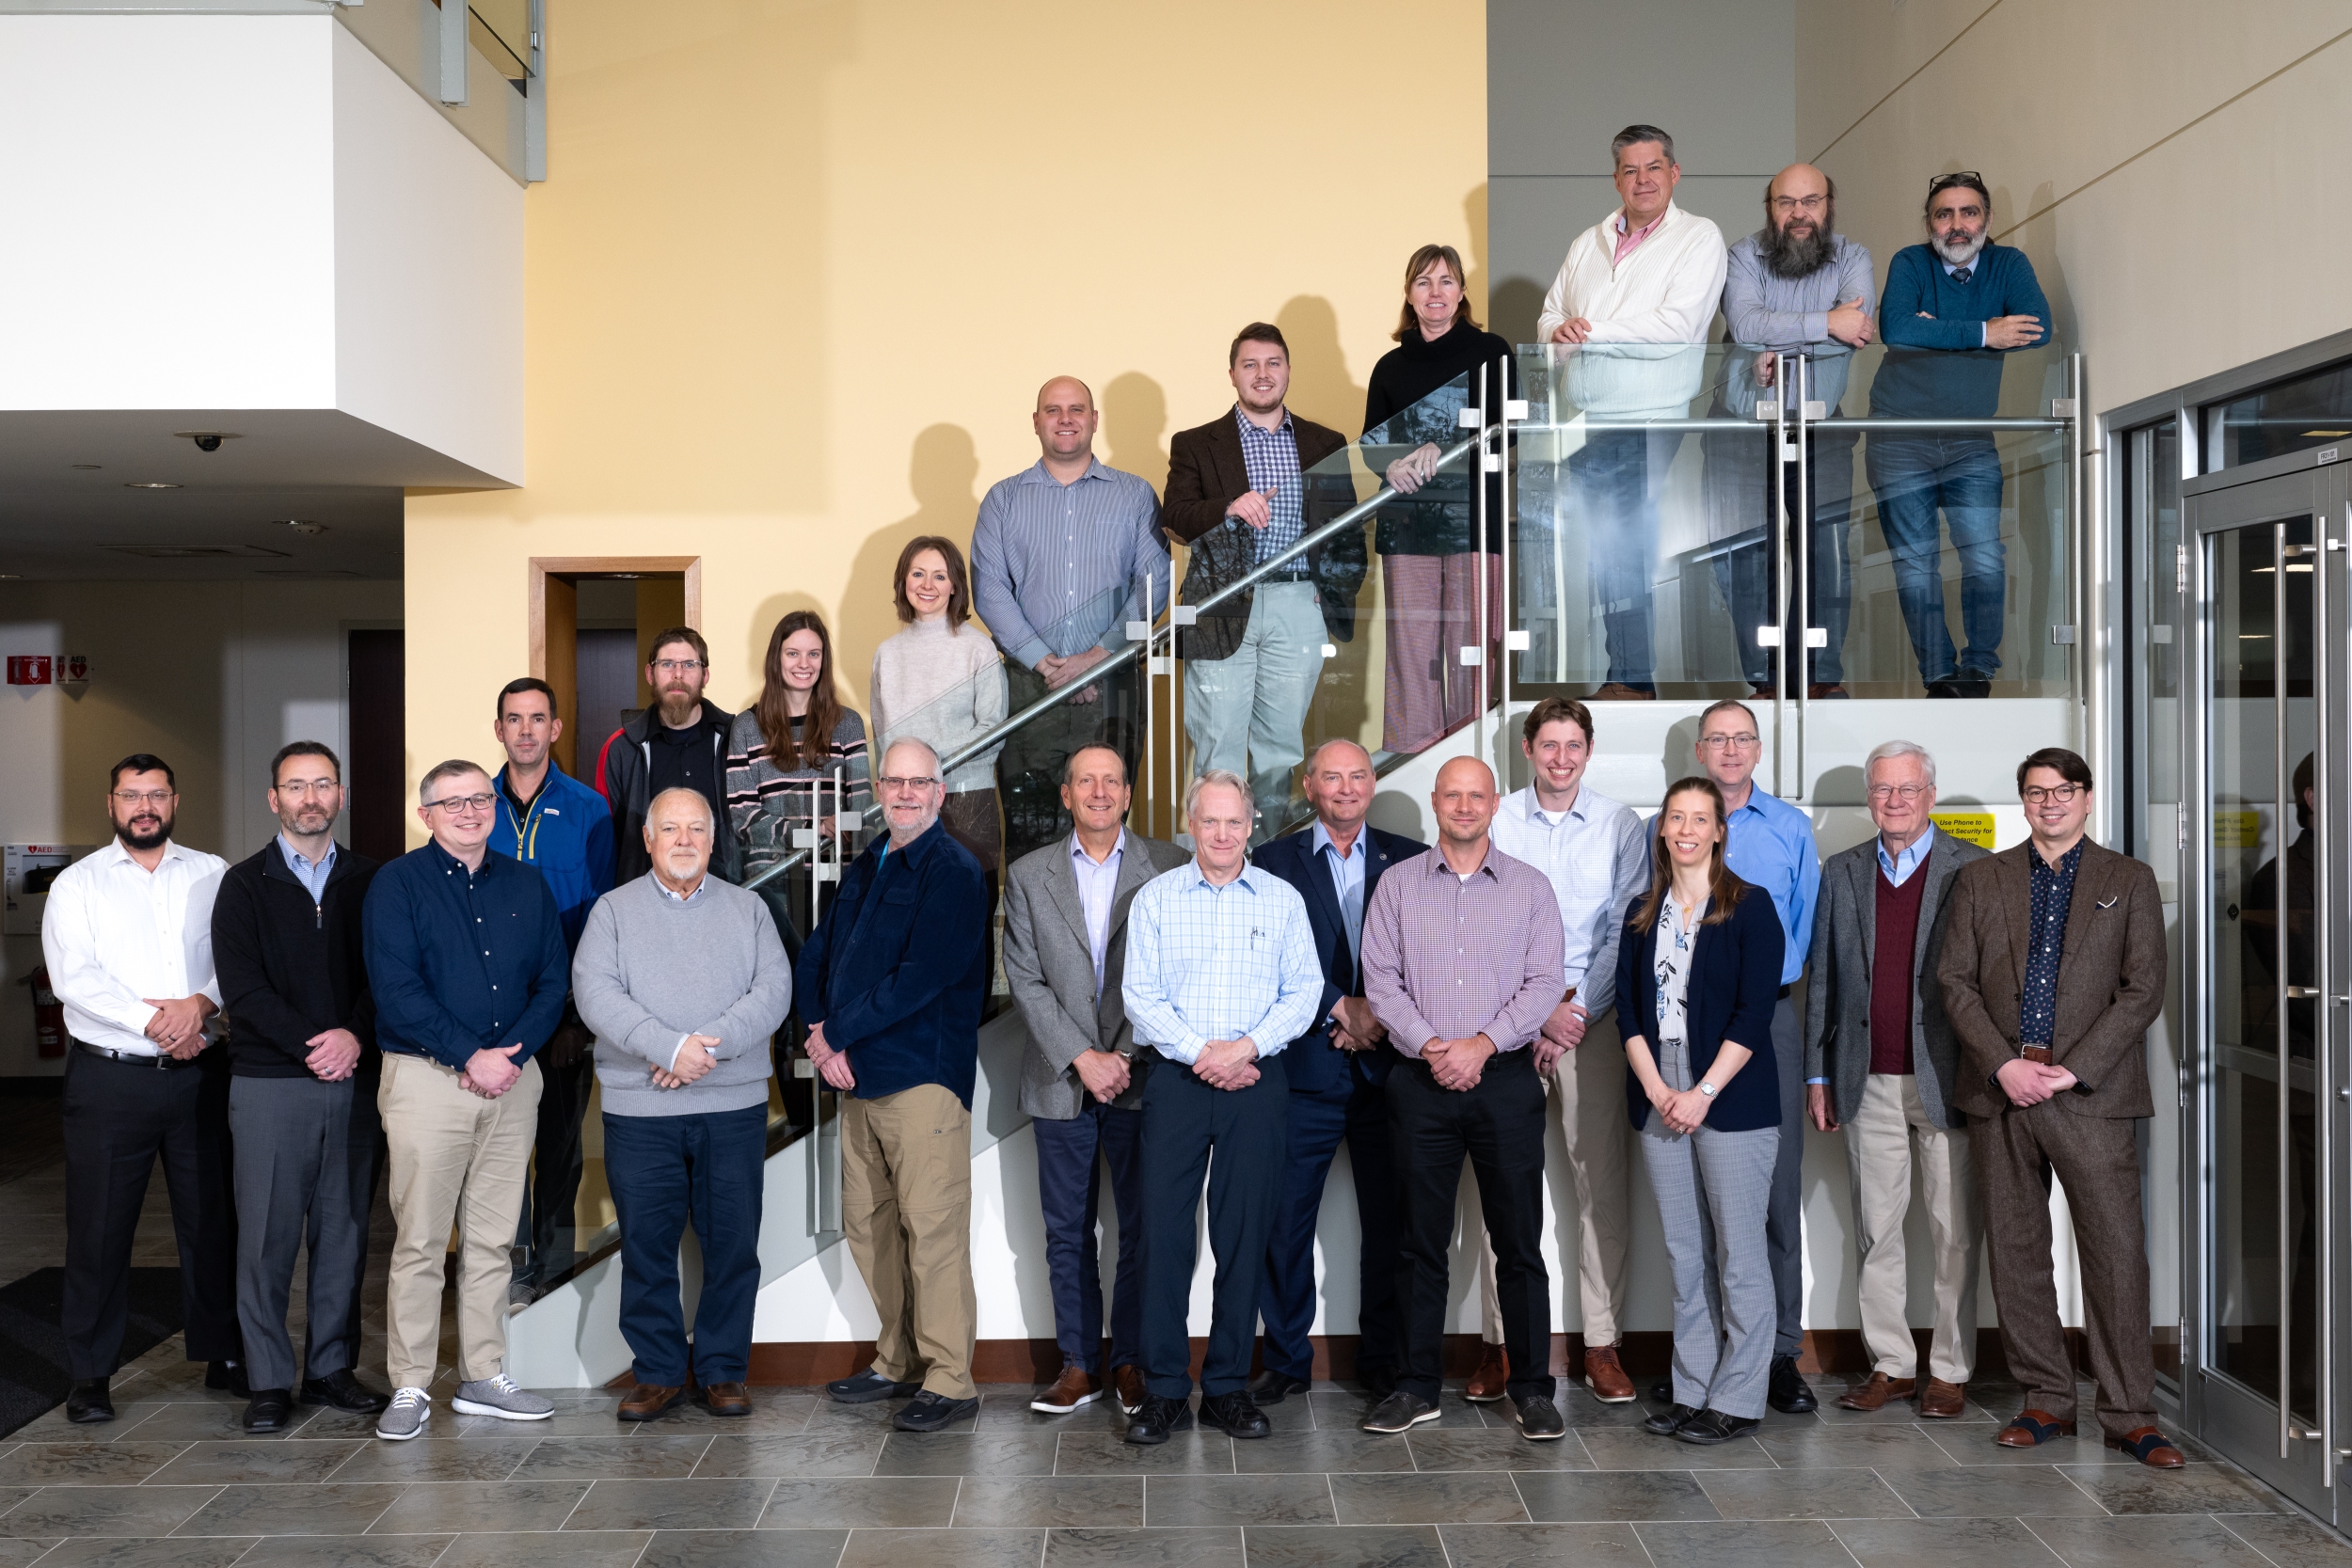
point(562, 674)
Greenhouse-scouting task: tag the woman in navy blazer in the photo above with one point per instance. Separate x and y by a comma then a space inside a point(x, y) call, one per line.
point(1698, 976)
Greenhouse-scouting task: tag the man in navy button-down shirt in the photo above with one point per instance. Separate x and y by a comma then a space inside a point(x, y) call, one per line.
point(467, 960)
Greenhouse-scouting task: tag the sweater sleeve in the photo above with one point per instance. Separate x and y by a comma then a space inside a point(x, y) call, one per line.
point(752, 1019)
point(601, 988)
point(252, 1004)
point(1904, 318)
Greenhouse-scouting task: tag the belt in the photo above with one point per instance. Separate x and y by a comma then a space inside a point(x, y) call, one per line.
point(2035, 1053)
point(162, 1061)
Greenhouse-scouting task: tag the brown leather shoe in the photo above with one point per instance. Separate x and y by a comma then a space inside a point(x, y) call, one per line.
point(1492, 1379)
point(726, 1398)
point(1823, 691)
point(1606, 1378)
point(1943, 1402)
point(1874, 1394)
point(1127, 1387)
point(649, 1403)
point(2032, 1428)
point(2151, 1448)
point(1075, 1387)
point(1618, 692)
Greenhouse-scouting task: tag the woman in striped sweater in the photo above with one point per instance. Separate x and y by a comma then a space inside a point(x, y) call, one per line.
point(789, 749)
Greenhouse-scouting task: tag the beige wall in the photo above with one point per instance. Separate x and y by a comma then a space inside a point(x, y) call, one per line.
point(798, 271)
point(2172, 167)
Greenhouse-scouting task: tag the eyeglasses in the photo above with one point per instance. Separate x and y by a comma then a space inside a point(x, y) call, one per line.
point(1813, 203)
point(455, 804)
point(1965, 176)
point(1738, 742)
point(1890, 792)
point(889, 782)
point(2035, 795)
point(299, 787)
point(143, 797)
point(678, 666)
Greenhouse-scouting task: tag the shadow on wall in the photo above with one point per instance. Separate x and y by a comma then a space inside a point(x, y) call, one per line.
point(942, 472)
point(1134, 417)
point(1512, 303)
point(1323, 389)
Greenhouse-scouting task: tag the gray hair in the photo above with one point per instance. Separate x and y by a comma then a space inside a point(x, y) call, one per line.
point(1887, 751)
point(455, 767)
point(929, 750)
point(1634, 134)
point(1213, 777)
point(653, 807)
point(1070, 763)
point(1315, 758)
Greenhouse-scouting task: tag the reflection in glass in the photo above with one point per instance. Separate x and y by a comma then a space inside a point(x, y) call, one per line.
point(2312, 410)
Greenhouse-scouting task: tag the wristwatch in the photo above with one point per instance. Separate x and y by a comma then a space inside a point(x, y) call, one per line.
point(1707, 1088)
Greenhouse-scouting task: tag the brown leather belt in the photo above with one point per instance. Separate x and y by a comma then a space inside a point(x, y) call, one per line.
point(2035, 1053)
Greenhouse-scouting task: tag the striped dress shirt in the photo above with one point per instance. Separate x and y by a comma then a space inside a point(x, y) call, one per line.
point(1447, 957)
point(1208, 963)
point(1058, 568)
point(1270, 457)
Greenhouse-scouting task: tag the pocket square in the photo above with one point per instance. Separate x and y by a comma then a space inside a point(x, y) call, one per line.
point(2106, 903)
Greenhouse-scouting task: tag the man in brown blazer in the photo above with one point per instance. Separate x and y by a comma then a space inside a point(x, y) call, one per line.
point(2053, 969)
point(1242, 490)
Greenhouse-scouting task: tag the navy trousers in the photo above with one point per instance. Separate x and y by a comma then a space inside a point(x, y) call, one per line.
point(1184, 1122)
point(665, 1171)
point(1070, 1190)
point(1287, 1300)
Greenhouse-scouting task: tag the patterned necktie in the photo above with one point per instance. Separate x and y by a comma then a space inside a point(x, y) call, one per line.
point(1961, 275)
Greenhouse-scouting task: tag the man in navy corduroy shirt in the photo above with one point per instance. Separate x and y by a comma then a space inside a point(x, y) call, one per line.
point(1951, 308)
point(468, 962)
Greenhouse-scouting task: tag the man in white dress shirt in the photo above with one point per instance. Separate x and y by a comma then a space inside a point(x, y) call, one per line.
point(127, 935)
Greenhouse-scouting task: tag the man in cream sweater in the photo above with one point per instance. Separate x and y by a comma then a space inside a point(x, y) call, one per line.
point(1626, 320)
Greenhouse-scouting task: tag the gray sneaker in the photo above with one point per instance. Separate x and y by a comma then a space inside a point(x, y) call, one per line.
point(501, 1396)
point(404, 1416)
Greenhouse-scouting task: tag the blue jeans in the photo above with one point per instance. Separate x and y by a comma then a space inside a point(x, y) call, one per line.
point(1070, 1191)
point(664, 1170)
point(1614, 474)
point(1914, 475)
point(1739, 481)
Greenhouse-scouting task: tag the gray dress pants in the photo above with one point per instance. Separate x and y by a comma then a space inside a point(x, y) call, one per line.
point(1784, 1230)
point(307, 1157)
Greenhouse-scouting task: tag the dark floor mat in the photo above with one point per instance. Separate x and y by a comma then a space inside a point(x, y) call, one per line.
point(33, 1375)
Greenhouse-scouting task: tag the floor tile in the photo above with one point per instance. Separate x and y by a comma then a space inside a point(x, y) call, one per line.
point(772, 1414)
point(909, 1502)
point(1991, 1492)
point(2193, 1489)
point(186, 1420)
point(448, 1423)
point(1806, 1543)
point(2290, 1540)
point(480, 1506)
point(324, 1421)
point(744, 1548)
point(106, 1510)
point(434, 1458)
point(1143, 1548)
point(1237, 1501)
point(16, 1551)
point(330, 1509)
point(348, 1551)
point(1191, 1454)
point(1434, 1499)
point(1039, 1502)
point(1971, 1442)
point(964, 1548)
point(1494, 1450)
point(275, 1463)
point(1579, 1409)
point(829, 1453)
point(577, 1549)
point(1622, 1495)
point(978, 1453)
point(2138, 1539)
point(1341, 1546)
point(1321, 1454)
point(1801, 1495)
point(1641, 1451)
point(1943, 1543)
point(84, 1464)
point(1518, 1545)
point(150, 1553)
point(1830, 1448)
point(831, 1417)
point(613, 1458)
point(674, 1504)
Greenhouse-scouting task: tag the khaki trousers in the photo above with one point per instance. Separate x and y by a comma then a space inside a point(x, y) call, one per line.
point(1889, 1130)
point(906, 1208)
point(1587, 1094)
point(455, 1159)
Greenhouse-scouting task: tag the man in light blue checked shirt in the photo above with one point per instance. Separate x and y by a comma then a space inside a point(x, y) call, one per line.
point(1221, 976)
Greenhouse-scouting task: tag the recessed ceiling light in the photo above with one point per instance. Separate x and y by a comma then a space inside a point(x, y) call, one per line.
point(149, 484)
point(85, 467)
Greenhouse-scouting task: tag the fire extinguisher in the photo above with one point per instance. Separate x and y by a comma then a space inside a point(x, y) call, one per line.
point(48, 1015)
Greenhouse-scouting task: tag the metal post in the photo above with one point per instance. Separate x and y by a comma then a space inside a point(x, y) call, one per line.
point(1778, 563)
point(2281, 787)
point(454, 47)
point(1478, 555)
point(1509, 639)
point(536, 97)
point(1803, 615)
point(2322, 1005)
point(1149, 676)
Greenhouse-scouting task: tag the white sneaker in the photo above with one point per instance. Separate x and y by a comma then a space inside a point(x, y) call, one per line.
point(502, 1397)
point(404, 1416)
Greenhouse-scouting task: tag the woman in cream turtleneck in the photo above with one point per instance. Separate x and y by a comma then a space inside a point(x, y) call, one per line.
point(940, 681)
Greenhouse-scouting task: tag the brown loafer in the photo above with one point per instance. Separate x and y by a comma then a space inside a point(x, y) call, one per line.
point(1605, 1376)
point(1874, 1394)
point(2031, 1429)
point(1127, 1387)
point(1618, 692)
point(649, 1403)
point(2151, 1448)
point(1943, 1402)
point(1493, 1377)
point(1075, 1387)
point(726, 1398)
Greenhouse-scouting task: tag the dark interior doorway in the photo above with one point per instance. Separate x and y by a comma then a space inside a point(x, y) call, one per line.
point(377, 661)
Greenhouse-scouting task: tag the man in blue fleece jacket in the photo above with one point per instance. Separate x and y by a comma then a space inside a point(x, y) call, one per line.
point(1951, 308)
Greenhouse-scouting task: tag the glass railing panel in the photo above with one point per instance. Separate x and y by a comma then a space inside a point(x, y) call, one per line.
point(500, 29)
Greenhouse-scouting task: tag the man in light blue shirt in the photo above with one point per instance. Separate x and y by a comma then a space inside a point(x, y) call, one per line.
point(1769, 843)
point(1221, 976)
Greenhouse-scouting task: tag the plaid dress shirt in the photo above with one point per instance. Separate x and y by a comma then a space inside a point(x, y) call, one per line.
point(2052, 889)
point(1447, 957)
point(1271, 459)
point(1208, 963)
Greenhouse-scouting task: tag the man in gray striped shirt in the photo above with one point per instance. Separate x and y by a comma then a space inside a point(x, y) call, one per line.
point(1064, 555)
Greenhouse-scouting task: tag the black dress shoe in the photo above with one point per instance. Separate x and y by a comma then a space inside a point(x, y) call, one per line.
point(1273, 1388)
point(1669, 1420)
point(1945, 688)
point(90, 1402)
point(1972, 683)
point(1235, 1415)
point(1790, 1394)
point(228, 1376)
point(1401, 1411)
point(1663, 1391)
point(1539, 1418)
point(1158, 1418)
point(344, 1391)
point(270, 1410)
point(930, 1412)
point(869, 1387)
point(1709, 1427)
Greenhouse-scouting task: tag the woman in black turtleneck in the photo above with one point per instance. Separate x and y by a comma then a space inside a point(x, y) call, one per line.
point(1429, 560)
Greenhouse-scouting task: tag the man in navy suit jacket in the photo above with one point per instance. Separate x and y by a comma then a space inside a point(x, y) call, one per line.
point(1337, 1071)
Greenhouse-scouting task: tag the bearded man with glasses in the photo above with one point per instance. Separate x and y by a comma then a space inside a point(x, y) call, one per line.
point(1881, 1061)
point(469, 969)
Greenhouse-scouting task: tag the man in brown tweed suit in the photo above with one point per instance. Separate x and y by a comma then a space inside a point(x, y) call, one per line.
point(2052, 971)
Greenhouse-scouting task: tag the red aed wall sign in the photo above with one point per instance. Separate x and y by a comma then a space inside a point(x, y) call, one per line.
point(31, 669)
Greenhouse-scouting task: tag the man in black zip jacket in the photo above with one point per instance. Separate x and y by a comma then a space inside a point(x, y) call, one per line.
point(678, 743)
point(286, 941)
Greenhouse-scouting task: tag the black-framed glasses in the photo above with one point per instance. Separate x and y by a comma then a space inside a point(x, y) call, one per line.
point(1964, 177)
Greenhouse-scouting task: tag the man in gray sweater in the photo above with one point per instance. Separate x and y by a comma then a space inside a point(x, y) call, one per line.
point(682, 977)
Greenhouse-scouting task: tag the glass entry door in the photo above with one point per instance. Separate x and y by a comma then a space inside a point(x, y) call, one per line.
point(2264, 973)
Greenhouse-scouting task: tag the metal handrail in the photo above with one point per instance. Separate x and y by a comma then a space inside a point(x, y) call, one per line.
point(1353, 517)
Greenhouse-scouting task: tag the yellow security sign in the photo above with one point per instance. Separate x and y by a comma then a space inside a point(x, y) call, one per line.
point(1969, 826)
point(2237, 830)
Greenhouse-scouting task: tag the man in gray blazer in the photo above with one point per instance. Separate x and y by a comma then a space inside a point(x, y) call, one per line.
point(1082, 1077)
point(1879, 1060)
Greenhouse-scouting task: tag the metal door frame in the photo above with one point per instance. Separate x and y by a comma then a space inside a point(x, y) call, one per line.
point(2242, 1422)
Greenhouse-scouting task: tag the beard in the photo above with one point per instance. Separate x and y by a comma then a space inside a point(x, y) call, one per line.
point(678, 707)
point(151, 837)
point(1798, 256)
point(1958, 253)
